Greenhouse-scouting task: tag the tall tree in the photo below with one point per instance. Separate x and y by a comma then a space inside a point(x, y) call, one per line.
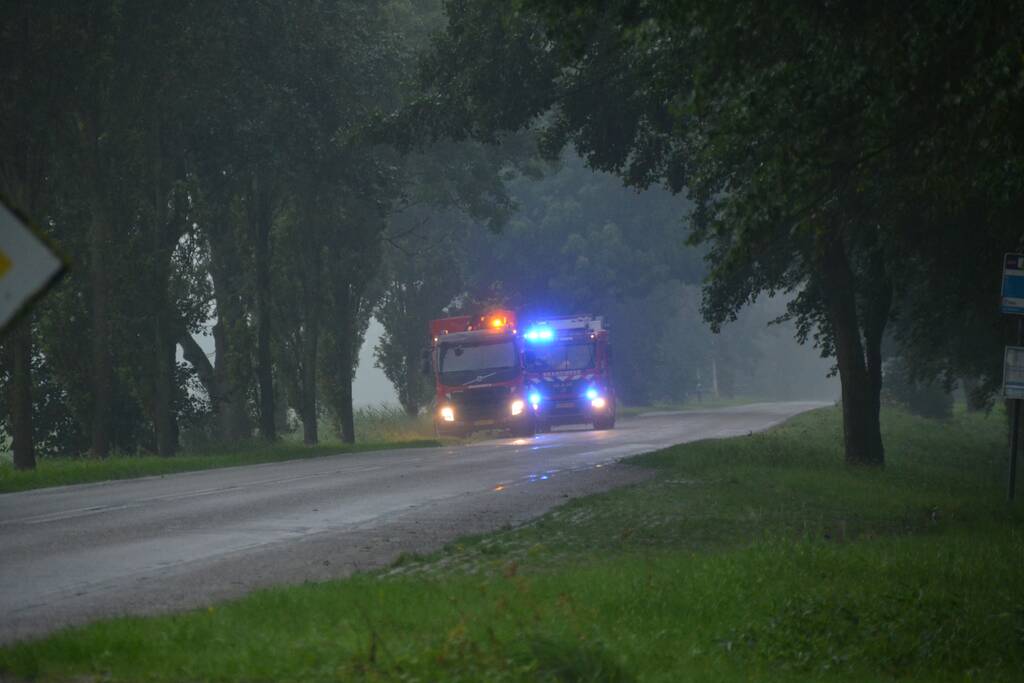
point(32, 70)
point(352, 292)
point(419, 285)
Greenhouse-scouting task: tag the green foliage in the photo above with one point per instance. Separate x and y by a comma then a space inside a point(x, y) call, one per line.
point(920, 397)
point(213, 166)
point(579, 240)
point(743, 559)
point(419, 287)
point(824, 148)
point(450, 188)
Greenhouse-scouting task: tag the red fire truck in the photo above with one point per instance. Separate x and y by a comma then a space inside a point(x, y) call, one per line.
point(568, 372)
point(477, 363)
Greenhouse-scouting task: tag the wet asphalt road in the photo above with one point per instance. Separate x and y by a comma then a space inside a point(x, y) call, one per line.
point(73, 554)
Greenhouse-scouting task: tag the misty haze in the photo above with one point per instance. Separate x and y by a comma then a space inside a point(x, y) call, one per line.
point(477, 340)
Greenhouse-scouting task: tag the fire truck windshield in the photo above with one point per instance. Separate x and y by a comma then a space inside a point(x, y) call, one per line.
point(560, 357)
point(471, 363)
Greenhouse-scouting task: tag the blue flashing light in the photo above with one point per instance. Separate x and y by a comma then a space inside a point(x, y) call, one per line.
point(539, 334)
point(592, 393)
point(534, 398)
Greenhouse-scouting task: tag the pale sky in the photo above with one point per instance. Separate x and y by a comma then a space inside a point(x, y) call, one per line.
point(370, 388)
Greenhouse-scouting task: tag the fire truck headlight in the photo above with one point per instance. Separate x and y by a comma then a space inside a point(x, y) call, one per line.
point(448, 414)
point(592, 394)
point(598, 403)
point(518, 406)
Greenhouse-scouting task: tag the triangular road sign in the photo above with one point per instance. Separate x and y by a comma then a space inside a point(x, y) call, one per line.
point(27, 265)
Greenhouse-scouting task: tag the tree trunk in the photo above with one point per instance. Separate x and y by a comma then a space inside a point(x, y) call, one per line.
point(164, 236)
point(714, 378)
point(971, 385)
point(346, 414)
point(229, 390)
point(413, 393)
point(310, 434)
point(342, 361)
point(260, 217)
point(310, 339)
point(102, 363)
point(264, 359)
point(164, 418)
point(19, 393)
point(878, 286)
point(195, 355)
point(860, 377)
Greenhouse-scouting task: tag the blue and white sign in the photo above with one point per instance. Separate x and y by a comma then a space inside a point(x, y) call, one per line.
point(1013, 372)
point(1013, 284)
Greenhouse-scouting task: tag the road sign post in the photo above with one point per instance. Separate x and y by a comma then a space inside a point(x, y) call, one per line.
point(1013, 391)
point(1013, 358)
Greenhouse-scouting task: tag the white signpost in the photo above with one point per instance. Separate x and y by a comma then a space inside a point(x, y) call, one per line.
point(27, 266)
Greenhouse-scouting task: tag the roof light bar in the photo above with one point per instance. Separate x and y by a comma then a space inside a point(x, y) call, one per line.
point(539, 334)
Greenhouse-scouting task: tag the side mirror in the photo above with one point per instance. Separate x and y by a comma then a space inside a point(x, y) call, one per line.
point(425, 362)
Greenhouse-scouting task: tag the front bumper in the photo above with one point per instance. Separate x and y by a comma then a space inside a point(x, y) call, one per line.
point(482, 421)
point(570, 410)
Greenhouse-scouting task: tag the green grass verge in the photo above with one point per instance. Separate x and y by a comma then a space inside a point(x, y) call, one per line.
point(64, 471)
point(377, 428)
point(755, 558)
point(706, 404)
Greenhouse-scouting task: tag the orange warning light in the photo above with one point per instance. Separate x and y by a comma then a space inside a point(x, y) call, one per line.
point(497, 322)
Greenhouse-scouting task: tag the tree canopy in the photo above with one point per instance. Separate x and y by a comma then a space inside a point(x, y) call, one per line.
point(846, 154)
point(207, 167)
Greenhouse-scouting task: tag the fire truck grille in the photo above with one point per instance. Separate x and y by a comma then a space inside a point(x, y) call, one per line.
point(566, 388)
point(483, 403)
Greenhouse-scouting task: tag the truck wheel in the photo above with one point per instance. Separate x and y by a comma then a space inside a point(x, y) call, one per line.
point(604, 423)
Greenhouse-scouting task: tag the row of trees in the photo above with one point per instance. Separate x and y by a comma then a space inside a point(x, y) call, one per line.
point(283, 171)
point(206, 163)
point(864, 158)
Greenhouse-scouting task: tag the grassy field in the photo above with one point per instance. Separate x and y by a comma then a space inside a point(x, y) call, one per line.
point(754, 558)
point(377, 428)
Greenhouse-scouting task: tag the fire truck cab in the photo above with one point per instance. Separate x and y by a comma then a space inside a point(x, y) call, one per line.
point(477, 363)
point(568, 378)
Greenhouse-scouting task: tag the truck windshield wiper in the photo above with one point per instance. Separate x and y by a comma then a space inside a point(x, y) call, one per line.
point(479, 378)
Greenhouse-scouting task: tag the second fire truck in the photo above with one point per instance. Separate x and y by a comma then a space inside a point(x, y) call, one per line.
point(568, 372)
